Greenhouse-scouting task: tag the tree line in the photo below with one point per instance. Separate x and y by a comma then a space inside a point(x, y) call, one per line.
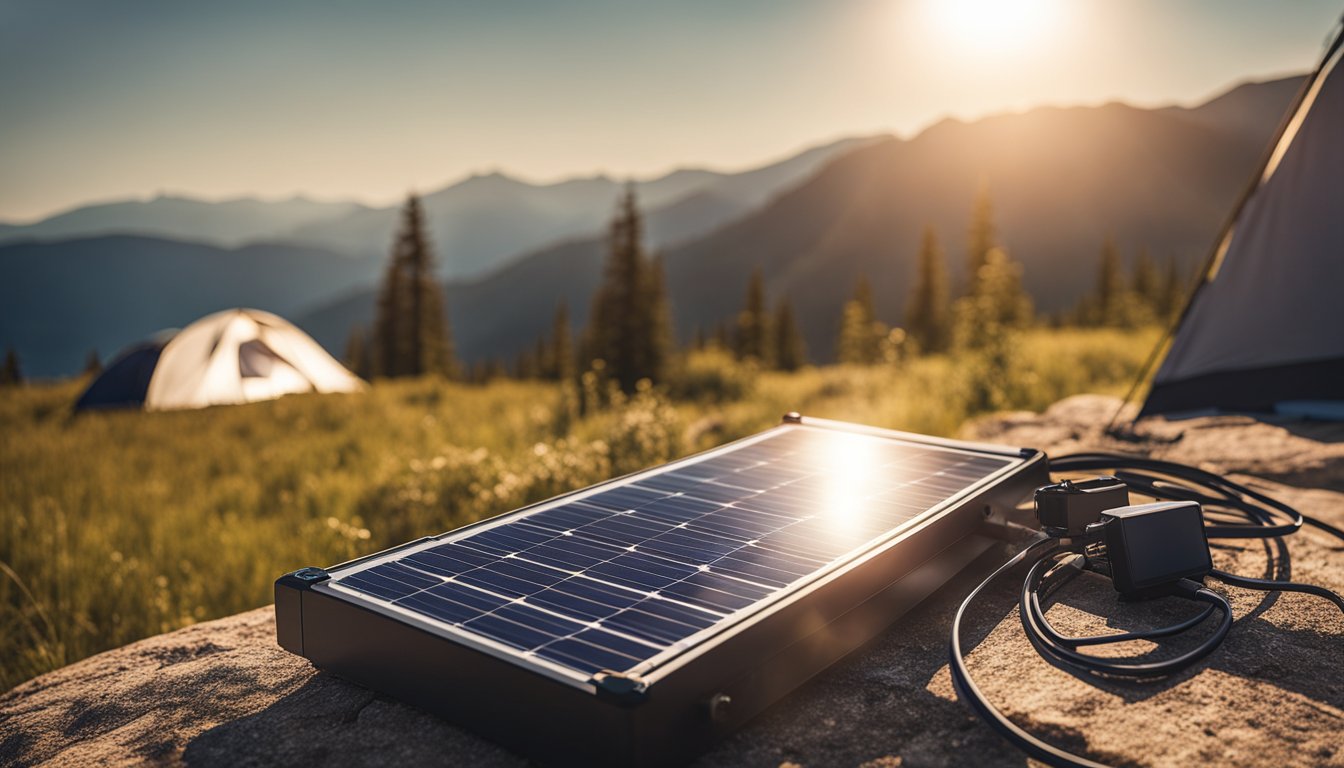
point(629, 335)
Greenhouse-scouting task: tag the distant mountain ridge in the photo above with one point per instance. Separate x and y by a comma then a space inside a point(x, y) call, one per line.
point(478, 223)
point(226, 223)
point(1062, 180)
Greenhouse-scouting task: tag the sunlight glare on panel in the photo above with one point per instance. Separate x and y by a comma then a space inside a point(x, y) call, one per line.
point(852, 475)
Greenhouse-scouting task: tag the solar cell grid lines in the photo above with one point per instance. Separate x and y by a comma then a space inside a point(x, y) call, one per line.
point(611, 579)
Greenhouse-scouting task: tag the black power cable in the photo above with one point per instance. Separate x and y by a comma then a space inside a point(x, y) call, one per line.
point(1049, 643)
point(1265, 585)
point(1224, 505)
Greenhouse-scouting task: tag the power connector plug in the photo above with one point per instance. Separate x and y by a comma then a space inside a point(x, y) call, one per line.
point(1066, 509)
point(1148, 548)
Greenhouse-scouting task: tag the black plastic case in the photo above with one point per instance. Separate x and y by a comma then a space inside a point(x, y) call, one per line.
point(680, 709)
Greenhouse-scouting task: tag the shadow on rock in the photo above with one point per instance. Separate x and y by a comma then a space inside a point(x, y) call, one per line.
point(328, 721)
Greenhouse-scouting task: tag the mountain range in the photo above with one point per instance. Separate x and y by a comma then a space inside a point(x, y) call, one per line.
point(1061, 180)
point(478, 223)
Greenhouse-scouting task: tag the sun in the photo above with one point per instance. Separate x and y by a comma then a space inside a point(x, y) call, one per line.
point(993, 26)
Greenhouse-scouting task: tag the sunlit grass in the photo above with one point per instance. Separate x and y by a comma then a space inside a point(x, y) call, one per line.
point(115, 526)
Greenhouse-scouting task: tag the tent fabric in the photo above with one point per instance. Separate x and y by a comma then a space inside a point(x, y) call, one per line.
point(238, 356)
point(125, 380)
point(1266, 326)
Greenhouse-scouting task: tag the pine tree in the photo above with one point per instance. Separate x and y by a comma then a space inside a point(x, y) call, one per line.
point(1171, 296)
point(720, 338)
point(525, 365)
point(561, 355)
point(980, 238)
point(411, 332)
point(389, 330)
point(1010, 300)
point(790, 351)
point(1143, 280)
point(929, 318)
point(630, 325)
point(659, 347)
point(861, 335)
point(541, 358)
point(93, 365)
point(1110, 285)
point(985, 332)
point(752, 339)
point(11, 373)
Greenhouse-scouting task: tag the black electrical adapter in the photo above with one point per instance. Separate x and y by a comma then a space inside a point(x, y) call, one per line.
point(1068, 508)
point(1149, 547)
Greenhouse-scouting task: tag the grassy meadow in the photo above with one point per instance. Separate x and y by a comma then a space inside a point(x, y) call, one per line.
point(116, 526)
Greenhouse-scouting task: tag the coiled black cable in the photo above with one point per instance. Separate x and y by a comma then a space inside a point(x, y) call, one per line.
point(1051, 644)
point(1225, 504)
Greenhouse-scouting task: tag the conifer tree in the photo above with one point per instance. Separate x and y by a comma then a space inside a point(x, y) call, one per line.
point(980, 238)
point(11, 373)
point(1011, 301)
point(929, 318)
point(753, 324)
point(630, 326)
point(1143, 279)
point(790, 351)
point(660, 345)
point(561, 357)
point(1171, 296)
point(985, 331)
point(720, 338)
point(541, 358)
point(389, 325)
point(861, 335)
point(1110, 285)
point(411, 332)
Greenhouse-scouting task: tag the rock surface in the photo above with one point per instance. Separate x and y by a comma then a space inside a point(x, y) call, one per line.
point(223, 694)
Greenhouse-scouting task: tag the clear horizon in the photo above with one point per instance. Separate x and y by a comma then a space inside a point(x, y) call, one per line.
point(251, 101)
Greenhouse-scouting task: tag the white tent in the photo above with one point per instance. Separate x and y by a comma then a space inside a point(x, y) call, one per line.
point(235, 356)
point(1264, 330)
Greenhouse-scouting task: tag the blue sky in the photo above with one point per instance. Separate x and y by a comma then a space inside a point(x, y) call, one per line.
point(333, 99)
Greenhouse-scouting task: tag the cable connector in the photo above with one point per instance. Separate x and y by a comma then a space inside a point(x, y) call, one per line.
point(1149, 548)
point(1067, 509)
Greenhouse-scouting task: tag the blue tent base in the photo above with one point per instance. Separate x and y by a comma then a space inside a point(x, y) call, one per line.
point(125, 381)
point(1259, 390)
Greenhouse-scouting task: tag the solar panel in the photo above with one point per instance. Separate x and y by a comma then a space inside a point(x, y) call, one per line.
point(614, 624)
point(622, 577)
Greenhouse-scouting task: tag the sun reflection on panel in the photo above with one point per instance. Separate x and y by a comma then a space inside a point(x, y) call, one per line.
point(852, 474)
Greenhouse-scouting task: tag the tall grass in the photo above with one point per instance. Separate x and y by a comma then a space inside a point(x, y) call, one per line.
point(115, 526)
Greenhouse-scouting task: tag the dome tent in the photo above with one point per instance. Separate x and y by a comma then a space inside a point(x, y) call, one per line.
point(230, 357)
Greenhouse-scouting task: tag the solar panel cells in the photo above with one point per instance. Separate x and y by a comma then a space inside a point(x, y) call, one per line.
point(614, 578)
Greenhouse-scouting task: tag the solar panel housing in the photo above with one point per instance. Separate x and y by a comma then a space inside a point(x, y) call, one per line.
point(638, 620)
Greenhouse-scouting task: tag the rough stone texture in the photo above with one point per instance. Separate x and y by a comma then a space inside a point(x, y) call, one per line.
point(223, 694)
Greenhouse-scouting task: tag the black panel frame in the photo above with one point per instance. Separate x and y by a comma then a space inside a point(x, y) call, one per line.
point(685, 705)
